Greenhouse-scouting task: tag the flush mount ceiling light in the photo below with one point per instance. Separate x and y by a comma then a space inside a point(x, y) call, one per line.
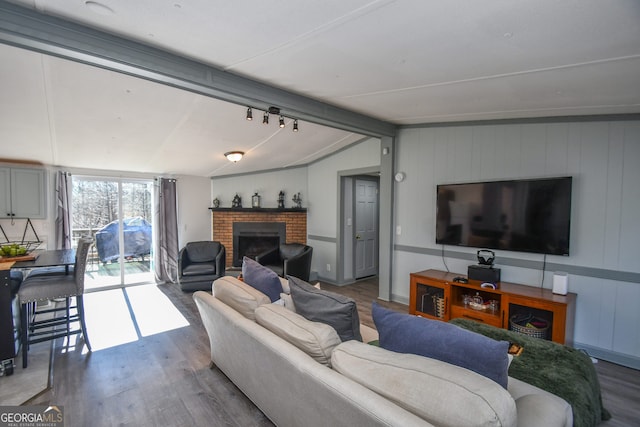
point(234, 156)
point(275, 111)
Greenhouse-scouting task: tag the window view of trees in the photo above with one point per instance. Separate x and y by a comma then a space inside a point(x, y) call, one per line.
point(95, 203)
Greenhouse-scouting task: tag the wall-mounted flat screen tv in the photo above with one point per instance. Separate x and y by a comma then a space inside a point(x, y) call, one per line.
point(527, 215)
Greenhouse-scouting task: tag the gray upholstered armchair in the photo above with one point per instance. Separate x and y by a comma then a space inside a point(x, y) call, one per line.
point(289, 259)
point(199, 264)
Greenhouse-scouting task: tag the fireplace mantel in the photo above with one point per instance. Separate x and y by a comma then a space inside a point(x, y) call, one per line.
point(295, 220)
point(276, 210)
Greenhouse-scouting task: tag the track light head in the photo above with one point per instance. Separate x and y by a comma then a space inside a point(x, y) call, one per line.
point(295, 125)
point(265, 118)
point(281, 121)
point(249, 114)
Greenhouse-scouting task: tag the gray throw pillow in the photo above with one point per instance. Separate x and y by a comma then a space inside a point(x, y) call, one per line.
point(404, 333)
point(261, 278)
point(335, 310)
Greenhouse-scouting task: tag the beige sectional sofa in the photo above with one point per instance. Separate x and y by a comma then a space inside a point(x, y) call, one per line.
point(299, 373)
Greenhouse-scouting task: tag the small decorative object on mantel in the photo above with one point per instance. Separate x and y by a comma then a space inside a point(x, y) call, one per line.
point(237, 201)
point(281, 200)
point(297, 200)
point(216, 203)
point(255, 200)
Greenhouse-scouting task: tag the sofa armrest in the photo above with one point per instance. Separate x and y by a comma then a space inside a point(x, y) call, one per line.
point(183, 261)
point(270, 256)
point(221, 261)
point(299, 265)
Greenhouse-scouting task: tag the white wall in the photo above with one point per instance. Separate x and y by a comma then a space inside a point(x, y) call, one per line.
point(267, 184)
point(323, 214)
point(602, 157)
point(194, 216)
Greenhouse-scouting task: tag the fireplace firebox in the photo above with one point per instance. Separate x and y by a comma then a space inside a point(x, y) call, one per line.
point(253, 238)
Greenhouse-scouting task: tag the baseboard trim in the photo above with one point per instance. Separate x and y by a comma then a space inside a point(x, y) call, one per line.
point(610, 356)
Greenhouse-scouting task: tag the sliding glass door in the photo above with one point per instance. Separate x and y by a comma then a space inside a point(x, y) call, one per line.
point(116, 212)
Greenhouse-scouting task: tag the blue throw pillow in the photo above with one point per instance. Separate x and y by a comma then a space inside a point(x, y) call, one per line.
point(262, 278)
point(404, 333)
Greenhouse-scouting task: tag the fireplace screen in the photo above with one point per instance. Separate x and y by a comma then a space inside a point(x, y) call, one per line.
point(253, 238)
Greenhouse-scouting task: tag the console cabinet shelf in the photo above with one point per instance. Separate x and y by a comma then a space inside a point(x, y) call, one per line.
point(435, 295)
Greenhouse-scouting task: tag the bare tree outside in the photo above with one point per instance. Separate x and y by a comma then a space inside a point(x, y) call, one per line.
point(95, 203)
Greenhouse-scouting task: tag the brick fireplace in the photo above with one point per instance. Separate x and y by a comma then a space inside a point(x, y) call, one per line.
point(292, 220)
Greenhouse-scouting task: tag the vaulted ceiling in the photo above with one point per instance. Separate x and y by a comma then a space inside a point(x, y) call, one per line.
point(396, 62)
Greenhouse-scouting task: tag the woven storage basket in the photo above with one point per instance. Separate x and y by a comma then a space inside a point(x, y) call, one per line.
point(532, 332)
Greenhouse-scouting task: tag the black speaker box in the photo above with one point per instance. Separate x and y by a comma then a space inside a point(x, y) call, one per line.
point(484, 273)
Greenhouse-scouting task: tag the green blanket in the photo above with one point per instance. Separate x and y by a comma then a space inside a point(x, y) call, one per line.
point(558, 369)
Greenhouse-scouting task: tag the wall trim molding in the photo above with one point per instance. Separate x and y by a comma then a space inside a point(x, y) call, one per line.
point(322, 238)
point(599, 273)
point(609, 355)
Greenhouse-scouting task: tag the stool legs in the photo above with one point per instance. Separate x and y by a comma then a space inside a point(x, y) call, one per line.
point(83, 325)
point(24, 335)
point(29, 325)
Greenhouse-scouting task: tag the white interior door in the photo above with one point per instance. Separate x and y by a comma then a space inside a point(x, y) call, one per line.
point(366, 228)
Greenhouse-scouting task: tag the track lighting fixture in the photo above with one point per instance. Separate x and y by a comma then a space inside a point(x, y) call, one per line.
point(274, 111)
point(234, 156)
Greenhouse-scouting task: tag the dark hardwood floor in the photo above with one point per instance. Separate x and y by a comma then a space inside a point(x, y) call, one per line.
point(164, 379)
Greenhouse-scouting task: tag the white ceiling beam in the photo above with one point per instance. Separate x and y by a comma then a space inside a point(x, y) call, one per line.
point(27, 29)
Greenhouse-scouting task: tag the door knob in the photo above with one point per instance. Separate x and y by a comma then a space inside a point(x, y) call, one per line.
point(357, 237)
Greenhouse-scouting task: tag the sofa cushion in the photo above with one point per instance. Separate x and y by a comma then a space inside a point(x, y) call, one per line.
point(285, 285)
point(198, 269)
point(239, 296)
point(441, 393)
point(314, 338)
point(262, 278)
point(335, 310)
point(405, 333)
point(530, 413)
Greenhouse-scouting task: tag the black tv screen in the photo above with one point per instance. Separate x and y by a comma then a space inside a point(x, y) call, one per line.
point(528, 215)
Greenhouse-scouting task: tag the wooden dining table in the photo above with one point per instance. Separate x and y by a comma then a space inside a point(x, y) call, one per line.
point(50, 258)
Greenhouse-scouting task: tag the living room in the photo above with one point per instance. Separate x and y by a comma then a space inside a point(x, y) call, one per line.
point(599, 147)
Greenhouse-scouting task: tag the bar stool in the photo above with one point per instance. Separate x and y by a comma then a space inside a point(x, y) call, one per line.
point(49, 287)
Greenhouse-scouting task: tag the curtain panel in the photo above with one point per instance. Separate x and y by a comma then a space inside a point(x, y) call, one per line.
point(63, 210)
point(166, 231)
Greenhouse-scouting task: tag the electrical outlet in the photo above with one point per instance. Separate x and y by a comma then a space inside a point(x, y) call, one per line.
point(328, 267)
point(398, 230)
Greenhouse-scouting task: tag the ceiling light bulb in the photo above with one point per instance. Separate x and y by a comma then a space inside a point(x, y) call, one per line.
point(234, 156)
point(281, 121)
point(249, 114)
point(295, 125)
point(265, 118)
